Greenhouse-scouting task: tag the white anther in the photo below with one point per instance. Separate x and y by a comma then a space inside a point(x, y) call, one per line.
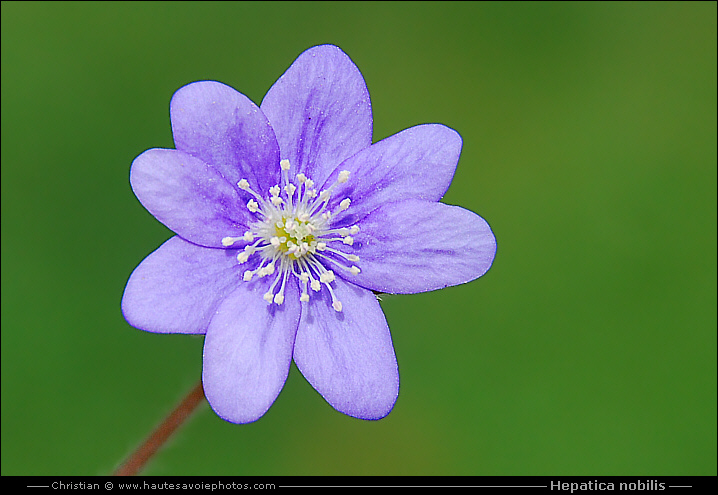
point(352, 257)
point(311, 193)
point(337, 305)
point(279, 298)
point(274, 190)
point(284, 164)
point(343, 176)
point(309, 184)
point(355, 270)
point(301, 178)
point(248, 236)
point(228, 241)
point(321, 246)
point(243, 184)
point(304, 297)
point(290, 224)
point(268, 297)
point(248, 274)
point(243, 257)
point(316, 285)
point(269, 269)
point(348, 240)
point(274, 241)
point(290, 189)
point(304, 277)
point(303, 217)
point(325, 195)
point(345, 204)
point(326, 215)
point(354, 230)
point(326, 277)
point(253, 206)
point(276, 200)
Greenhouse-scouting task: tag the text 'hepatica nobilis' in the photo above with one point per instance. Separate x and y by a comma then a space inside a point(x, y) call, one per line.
point(287, 218)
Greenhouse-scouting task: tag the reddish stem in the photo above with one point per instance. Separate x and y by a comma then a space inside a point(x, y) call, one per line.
point(149, 447)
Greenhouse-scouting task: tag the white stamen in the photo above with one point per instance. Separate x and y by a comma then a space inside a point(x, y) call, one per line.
point(269, 269)
point(228, 241)
point(293, 235)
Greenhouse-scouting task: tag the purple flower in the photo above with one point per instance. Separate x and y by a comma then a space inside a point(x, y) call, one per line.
point(287, 218)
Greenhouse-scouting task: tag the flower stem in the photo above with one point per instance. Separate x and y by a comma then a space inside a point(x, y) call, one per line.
point(161, 434)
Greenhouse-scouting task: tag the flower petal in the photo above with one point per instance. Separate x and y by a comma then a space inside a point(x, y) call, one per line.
point(188, 196)
point(247, 352)
point(416, 246)
point(348, 357)
point(177, 288)
point(225, 129)
point(416, 163)
point(320, 111)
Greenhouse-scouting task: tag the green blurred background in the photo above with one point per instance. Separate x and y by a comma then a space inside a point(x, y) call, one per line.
point(589, 146)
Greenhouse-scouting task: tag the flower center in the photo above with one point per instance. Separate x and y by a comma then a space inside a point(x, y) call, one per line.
point(294, 233)
point(293, 236)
